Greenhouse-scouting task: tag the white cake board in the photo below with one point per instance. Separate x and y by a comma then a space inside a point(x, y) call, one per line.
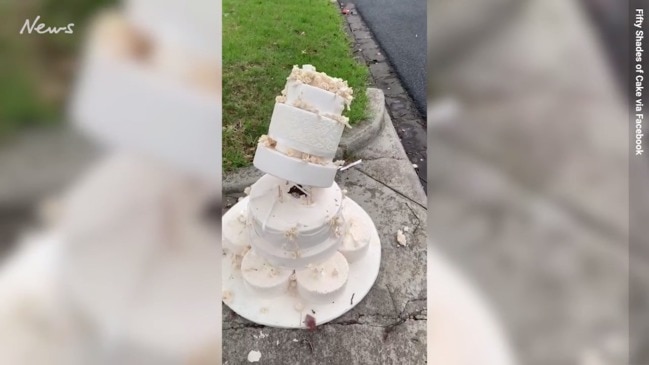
point(280, 312)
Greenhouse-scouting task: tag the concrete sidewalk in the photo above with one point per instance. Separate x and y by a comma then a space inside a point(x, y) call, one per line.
point(389, 325)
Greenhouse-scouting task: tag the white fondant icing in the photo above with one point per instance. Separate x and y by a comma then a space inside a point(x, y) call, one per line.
point(305, 131)
point(236, 230)
point(295, 259)
point(356, 240)
point(323, 282)
point(293, 231)
point(155, 115)
point(299, 171)
point(325, 101)
point(263, 277)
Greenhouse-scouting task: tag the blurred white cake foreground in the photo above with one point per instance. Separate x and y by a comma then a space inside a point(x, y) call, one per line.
point(129, 272)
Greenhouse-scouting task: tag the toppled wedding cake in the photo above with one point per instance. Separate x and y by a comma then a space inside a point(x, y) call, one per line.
point(295, 234)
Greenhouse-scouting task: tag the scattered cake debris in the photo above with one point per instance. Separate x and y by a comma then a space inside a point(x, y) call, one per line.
point(261, 335)
point(227, 296)
point(401, 238)
point(254, 356)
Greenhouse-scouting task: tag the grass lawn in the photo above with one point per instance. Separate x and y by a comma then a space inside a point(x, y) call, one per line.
point(262, 40)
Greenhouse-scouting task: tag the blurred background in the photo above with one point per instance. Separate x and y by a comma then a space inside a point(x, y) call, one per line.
point(528, 171)
point(39, 152)
point(110, 182)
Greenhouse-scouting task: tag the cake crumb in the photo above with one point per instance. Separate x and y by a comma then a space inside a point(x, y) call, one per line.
point(227, 297)
point(254, 356)
point(247, 190)
point(263, 310)
point(401, 238)
point(261, 335)
point(266, 141)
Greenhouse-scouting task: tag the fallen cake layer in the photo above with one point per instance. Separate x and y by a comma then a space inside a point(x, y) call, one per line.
point(323, 282)
point(263, 277)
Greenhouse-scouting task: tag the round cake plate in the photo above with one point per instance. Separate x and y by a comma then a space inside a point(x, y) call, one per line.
point(281, 312)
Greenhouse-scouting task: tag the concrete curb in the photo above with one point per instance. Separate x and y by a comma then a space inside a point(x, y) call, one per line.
point(352, 140)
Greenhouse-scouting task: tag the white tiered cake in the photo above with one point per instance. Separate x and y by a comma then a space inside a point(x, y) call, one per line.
point(305, 129)
point(296, 235)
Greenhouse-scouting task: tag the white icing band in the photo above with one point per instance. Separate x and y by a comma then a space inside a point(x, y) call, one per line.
point(296, 170)
point(305, 131)
point(325, 101)
point(293, 259)
point(304, 239)
point(284, 145)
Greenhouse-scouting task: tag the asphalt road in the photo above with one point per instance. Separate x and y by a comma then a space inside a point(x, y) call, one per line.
point(400, 29)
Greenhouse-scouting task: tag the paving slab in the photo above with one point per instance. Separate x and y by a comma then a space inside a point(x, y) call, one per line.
point(389, 325)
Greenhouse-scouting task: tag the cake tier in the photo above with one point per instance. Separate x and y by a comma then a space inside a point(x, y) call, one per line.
point(236, 230)
point(356, 240)
point(324, 282)
point(292, 258)
point(276, 163)
point(288, 227)
point(262, 277)
point(305, 131)
point(324, 101)
point(129, 106)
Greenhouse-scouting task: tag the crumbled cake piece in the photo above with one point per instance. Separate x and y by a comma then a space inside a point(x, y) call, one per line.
point(336, 225)
point(227, 296)
point(401, 238)
point(291, 234)
point(308, 75)
point(266, 141)
point(338, 118)
point(301, 104)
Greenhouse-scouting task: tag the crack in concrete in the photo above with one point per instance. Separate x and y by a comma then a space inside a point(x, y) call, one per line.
point(391, 188)
point(243, 326)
